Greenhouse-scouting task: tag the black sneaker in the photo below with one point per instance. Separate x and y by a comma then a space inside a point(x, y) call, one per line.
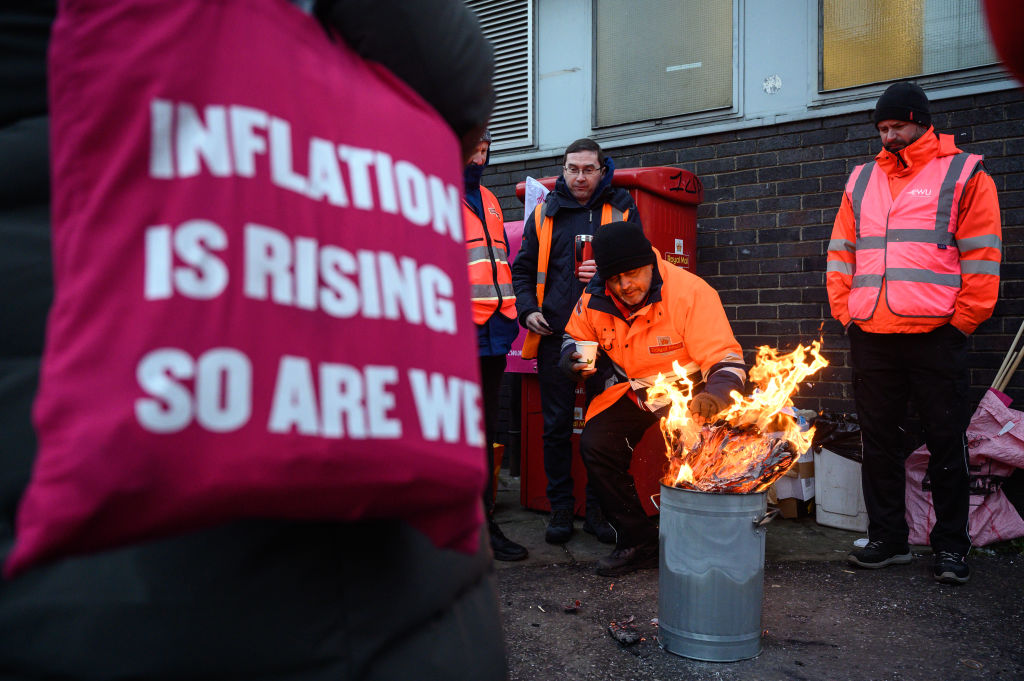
point(878, 554)
point(597, 525)
point(559, 526)
point(503, 547)
point(623, 561)
point(950, 567)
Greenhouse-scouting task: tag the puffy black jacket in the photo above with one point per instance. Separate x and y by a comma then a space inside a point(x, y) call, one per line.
point(260, 599)
point(562, 289)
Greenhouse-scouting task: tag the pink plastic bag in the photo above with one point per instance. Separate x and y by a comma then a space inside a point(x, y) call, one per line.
point(995, 441)
point(261, 297)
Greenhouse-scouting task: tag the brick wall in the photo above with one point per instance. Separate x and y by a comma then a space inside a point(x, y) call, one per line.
point(771, 194)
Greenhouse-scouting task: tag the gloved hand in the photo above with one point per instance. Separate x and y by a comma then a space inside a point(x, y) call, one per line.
point(535, 322)
point(706, 405)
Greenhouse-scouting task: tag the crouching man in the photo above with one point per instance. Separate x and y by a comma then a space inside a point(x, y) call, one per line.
point(645, 314)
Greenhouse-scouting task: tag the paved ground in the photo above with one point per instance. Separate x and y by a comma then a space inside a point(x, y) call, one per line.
point(821, 619)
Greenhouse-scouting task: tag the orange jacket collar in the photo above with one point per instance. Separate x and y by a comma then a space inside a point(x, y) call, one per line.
point(926, 147)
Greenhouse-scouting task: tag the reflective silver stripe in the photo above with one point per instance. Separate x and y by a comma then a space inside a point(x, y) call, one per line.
point(732, 370)
point(480, 253)
point(869, 242)
point(839, 266)
point(946, 196)
point(979, 267)
point(918, 236)
point(858, 192)
point(567, 340)
point(617, 215)
point(867, 281)
point(922, 276)
point(542, 277)
point(841, 245)
point(487, 291)
point(975, 242)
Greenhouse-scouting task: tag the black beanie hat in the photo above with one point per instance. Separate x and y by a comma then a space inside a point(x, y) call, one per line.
point(903, 102)
point(620, 247)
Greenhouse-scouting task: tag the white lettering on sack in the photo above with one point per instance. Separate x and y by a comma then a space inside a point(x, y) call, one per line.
point(203, 275)
point(220, 402)
point(227, 140)
point(298, 272)
point(214, 391)
point(303, 273)
point(447, 405)
point(353, 403)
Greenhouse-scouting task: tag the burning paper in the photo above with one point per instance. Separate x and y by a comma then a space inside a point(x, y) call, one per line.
point(753, 442)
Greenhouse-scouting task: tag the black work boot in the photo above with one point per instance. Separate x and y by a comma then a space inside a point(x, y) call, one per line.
point(597, 525)
point(625, 560)
point(559, 526)
point(504, 548)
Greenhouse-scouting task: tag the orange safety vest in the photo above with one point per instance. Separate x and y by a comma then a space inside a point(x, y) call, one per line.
point(918, 259)
point(490, 277)
point(609, 213)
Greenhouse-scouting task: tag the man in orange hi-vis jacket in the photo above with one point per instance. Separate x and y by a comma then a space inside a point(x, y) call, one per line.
point(913, 269)
point(645, 314)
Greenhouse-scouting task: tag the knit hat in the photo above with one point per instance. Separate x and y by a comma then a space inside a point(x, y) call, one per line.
point(620, 247)
point(903, 102)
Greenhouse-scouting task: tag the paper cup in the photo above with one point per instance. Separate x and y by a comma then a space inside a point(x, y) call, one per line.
point(587, 350)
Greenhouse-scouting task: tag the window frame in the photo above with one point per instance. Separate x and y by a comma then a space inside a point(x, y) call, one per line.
point(686, 120)
point(818, 98)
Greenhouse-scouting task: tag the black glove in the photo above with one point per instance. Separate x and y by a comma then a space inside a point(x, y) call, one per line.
point(707, 405)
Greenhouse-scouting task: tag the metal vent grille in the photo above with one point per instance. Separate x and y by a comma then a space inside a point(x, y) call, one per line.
point(508, 25)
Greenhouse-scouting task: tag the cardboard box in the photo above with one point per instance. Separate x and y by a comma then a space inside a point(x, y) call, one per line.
point(794, 508)
point(804, 467)
point(800, 489)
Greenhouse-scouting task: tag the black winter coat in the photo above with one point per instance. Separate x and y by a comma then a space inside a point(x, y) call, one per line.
point(562, 289)
point(260, 599)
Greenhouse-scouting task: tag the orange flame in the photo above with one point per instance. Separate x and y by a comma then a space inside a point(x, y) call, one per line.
point(753, 442)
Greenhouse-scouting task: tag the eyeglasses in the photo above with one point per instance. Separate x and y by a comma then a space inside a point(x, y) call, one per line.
point(585, 172)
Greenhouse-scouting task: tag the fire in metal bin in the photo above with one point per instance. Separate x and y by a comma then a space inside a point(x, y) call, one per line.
point(713, 507)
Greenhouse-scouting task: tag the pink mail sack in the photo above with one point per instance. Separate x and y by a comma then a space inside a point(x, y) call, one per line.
point(261, 295)
point(995, 443)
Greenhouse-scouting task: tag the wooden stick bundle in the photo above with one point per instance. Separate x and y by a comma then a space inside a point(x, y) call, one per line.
point(1011, 360)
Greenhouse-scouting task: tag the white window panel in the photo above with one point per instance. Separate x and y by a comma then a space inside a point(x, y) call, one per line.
point(658, 59)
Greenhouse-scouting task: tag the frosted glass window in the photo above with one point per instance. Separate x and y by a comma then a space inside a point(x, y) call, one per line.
point(660, 58)
point(871, 41)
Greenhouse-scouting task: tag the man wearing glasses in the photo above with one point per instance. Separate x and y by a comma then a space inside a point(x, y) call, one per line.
point(548, 283)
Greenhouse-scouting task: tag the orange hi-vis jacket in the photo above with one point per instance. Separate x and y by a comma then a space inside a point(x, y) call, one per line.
point(490, 277)
point(917, 241)
point(683, 321)
point(609, 214)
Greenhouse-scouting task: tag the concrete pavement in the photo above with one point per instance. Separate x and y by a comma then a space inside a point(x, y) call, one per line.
point(786, 539)
point(821, 619)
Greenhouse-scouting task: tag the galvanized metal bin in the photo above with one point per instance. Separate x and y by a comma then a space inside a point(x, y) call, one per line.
point(711, 577)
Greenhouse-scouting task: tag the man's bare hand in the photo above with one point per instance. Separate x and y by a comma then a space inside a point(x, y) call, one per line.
point(587, 270)
point(583, 368)
point(536, 323)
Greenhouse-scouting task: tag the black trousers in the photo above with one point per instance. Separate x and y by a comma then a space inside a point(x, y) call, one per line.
point(929, 370)
point(557, 402)
point(492, 369)
point(607, 449)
